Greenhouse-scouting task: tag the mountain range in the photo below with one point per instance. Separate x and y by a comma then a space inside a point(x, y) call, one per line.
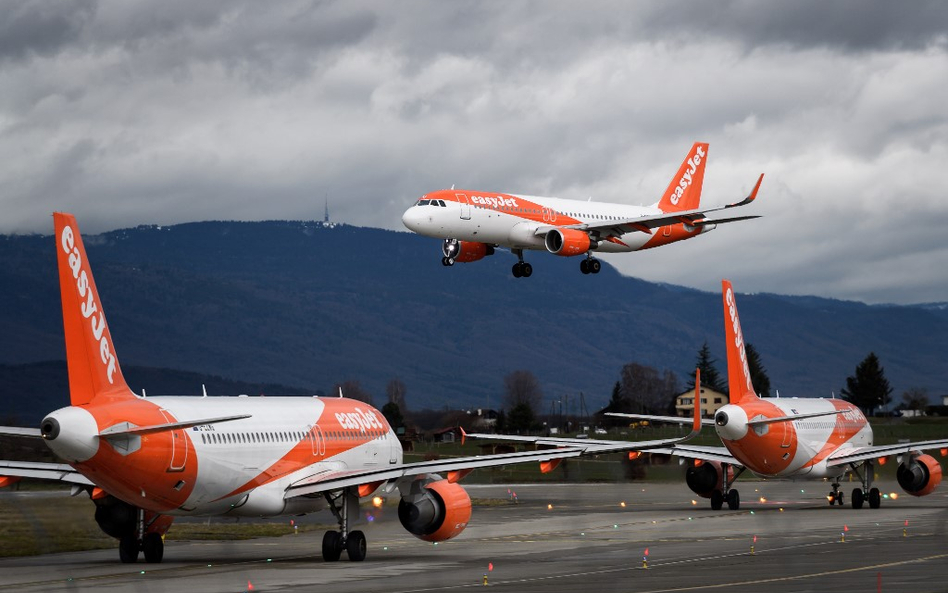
point(309, 305)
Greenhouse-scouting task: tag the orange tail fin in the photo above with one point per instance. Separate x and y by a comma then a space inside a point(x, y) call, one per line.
point(738, 373)
point(94, 369)
point(684, 191)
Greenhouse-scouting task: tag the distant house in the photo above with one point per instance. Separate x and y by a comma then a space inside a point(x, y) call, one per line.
point(944, 400)
point(446, 435)
point(711, 400)
point(483, 418)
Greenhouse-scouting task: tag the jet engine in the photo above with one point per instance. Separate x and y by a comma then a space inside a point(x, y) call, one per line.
point(434, 511)
point(465, 251)
point(919, 475)
point(568, 242)
point(707, 476)
point(118, 519)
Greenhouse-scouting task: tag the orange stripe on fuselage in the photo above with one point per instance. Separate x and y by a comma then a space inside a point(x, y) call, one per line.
point(843, 432)
point(301, 454)
point(147, 470)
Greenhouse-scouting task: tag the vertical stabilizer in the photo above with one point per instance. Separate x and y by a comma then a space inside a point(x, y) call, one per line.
point(738, 373)
point(94, 370)
point(684, 191)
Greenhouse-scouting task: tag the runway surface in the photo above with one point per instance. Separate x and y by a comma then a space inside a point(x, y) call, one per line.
point(566, 538)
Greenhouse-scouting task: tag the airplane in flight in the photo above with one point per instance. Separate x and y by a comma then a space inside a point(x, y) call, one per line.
point(473, 223)
point(790, 438)
point(146, 460)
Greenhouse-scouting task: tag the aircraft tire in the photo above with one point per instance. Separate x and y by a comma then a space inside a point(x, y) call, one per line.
point(717, 500)
point(831, 498)
point(527, 270)
point(839, 499)
point(857, 498)
point(153, 547)
point(128, 549)
point(517, 272)
point(584, 266)
point(595, 266)
point(733, 500)
point(875, 498)
point(355, 546)
point(332, 546)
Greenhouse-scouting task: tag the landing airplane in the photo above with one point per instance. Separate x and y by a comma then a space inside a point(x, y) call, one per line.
point(146, 460)
point(475, 222)
point(783, 438)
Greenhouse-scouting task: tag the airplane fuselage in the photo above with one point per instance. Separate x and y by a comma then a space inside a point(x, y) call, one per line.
point(796, 448)
point(518, 221)
point(241, 467)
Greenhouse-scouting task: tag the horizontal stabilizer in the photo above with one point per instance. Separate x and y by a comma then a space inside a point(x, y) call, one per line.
point(763, 421)
point(124, 429)
point(16, 431)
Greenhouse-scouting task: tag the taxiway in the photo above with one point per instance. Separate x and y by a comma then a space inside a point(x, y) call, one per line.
point(566, 538)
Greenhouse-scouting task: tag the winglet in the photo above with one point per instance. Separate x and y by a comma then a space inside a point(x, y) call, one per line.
point(463, 435)
point(91, 360)
point(751, 196)
point(684, 191)
point(740, 387)
point(696, 427)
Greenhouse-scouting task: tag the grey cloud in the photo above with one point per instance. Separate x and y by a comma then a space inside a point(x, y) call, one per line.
point(42, 27)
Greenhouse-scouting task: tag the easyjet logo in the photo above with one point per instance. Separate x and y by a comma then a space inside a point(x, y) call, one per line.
point(358, 420)
point(688, 177)
point(496, 202)
point(738, 337)
point(88, 307)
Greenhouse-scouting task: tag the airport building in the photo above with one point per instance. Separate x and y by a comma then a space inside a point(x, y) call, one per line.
point(711, 400)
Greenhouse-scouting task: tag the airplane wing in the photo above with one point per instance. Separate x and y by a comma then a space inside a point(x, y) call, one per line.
point(669, 419)
point(456, 469)
point(43, 471)
point(645, 224)
point(459, 467)
point(856, 454)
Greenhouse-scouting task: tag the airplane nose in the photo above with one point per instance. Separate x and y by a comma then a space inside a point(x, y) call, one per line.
point(412, 218)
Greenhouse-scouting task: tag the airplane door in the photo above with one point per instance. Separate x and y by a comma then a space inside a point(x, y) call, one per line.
point(549, 215)
point(317, 440)
point(394, 447)
point(179, 447)
point(465, 206)
point(787, 434)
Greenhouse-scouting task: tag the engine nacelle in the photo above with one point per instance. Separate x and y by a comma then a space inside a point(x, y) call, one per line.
point(466, 251)
point(119, 519)
point(435, 511)
point(706, 477)
point(568, 242)
point(920, 476)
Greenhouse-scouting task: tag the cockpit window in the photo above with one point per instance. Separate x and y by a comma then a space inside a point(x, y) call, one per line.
point(442, 204)
point(423, 202)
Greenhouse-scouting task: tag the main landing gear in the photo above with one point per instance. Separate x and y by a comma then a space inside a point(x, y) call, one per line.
point(334, 542)
point(151, 544)
point(727, 494)
point(867, 493)
point(521, 269)
point(590, 265)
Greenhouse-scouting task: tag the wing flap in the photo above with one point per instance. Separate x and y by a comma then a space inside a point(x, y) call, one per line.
point(57, 472)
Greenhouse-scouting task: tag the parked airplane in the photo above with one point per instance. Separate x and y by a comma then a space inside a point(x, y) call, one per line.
point(476, 222)
point(784, 438)
point(144, 461)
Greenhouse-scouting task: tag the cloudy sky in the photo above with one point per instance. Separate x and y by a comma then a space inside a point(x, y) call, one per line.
point(140, 112)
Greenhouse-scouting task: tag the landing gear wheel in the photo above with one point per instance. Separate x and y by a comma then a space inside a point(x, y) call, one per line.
point(527, 270)
point(153, 547)
point(128, 549)
point(858, 497)
point(517, 271)
point(717, 500)
point(875, 498)
point(839, 499)
point(594, 266)
point(332, 546)
point(447, 261)
point(584, 266)
point(355, 546)
point(831, 498)
point(733, 500)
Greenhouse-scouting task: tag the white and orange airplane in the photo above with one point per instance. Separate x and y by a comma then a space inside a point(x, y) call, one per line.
point(794, 438)
point(473, 223)
point(145, 460)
